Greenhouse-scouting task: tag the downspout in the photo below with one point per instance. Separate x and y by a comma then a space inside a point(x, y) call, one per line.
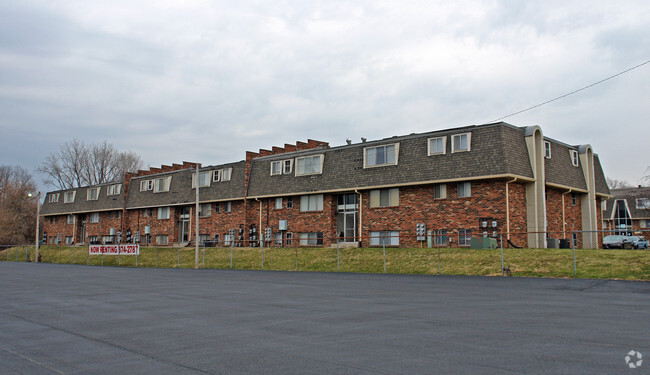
point(563, 218)
point(508, 207)
point(259, 229)
point(360, 215)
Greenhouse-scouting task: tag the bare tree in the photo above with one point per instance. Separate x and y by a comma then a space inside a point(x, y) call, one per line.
point(17, 207)
point(646, 178)
point(78, 164)
point(617, 184)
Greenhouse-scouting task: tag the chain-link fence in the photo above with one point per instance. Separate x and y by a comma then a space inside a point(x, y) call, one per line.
point(444, 254)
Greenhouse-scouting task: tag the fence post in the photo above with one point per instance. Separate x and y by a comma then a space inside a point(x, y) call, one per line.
point(203, 254)
point(88, 256)
point(232, 244)
point(502, 269)
point(573, 246)
point(178, 261)
point(102, 256)
point(119, 259)
point(296, 248)
point(73, 255)
point(16, 254)
point(136, 258)
point(156, 257)
point(383, 241)
point(262, 257)
point(60, 254)
point(338, 262)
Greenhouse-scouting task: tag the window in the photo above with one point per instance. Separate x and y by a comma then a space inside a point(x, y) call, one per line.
point(384, 197)
point(94, 217)
point(439, 191)
point(147, 212)
point(437, 146)
point(116, 214)
point(227, 206)
point(107, 239)
point(464, 237)
point(204, 179)
point(162, 239)
point(69, 240)
point(53, 198)
point(574, 158)
point(69, 219)
point(68, 196)
point(311, 239)
point(289, 202)
point(547, 149)
point(311, 202)
point(92, 194)
point(464, 189)
point(203, 238)
point(163, 213)
point(642, 203)
point(205, 209)
point(276, 168)
point(461, 142)
point(216, 239)
point(380, 155)
point(288, 166)
point(216, 176)
point(161, 185)
point(384, 237)
point(278, 203)
point(278, 238)
point(288, 237)
point(227, 239)
point(146, 185)
point(440, 237)
point(226, 174)
point(309, 165)
point(114, 189)
point(94, 240)
point(573, 199)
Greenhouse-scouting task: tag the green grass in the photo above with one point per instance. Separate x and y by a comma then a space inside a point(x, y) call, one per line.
point(596, 264)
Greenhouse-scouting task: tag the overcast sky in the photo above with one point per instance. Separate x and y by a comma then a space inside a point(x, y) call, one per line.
point(207, 80)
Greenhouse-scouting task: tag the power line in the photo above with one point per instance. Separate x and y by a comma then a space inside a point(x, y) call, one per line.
point(572, 92)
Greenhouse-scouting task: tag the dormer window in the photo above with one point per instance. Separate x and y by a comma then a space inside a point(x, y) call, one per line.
point(461, 142)
point(114, 189)
point(92, 194)
point(309, 165)
point(162, 184)
point(68, 196)
point(547, 149)
point(381, 155)
point(437, 146)
point(204, 179)
point(574, 158)
point(54, 198)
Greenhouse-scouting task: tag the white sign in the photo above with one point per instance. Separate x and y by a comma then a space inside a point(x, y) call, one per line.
point(114, 249)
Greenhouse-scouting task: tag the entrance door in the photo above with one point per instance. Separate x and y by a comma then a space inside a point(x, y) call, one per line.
point(347, 218)
point(82, 228)
point(184, 224)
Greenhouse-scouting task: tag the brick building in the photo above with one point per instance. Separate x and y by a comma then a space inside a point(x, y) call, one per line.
point(628, 211)
point(475, 180)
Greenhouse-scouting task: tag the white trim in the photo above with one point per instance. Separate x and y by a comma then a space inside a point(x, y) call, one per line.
point(322, 158)
point(89, 195)
point(575, 160)
point(65, 196)
point(444, 146)
point(469, 142)
point(280, 165)
point(365, 155)
point(547, 149)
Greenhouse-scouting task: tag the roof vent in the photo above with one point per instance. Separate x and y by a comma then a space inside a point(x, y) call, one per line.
point(364, 139)
point(349, 141)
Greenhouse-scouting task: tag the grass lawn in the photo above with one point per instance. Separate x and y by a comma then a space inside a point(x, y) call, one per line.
point(597, 264)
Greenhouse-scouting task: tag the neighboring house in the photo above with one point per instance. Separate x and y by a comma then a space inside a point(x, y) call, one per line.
point(628, 211)
point(477, 180)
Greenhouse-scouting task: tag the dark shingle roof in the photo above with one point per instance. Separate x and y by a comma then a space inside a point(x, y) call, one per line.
point(560, 170)
point(631, 195)
point(104, 202)
point(496, 149)
point(599, 176)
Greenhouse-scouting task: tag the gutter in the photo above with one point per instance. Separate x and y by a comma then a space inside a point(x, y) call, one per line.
point(508, 207)
point(360, 214)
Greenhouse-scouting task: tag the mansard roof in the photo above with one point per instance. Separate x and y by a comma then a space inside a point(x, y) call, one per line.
point(81, 202)
point(630, 195)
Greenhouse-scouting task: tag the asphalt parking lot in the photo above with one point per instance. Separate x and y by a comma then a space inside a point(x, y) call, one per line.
point(64, 319)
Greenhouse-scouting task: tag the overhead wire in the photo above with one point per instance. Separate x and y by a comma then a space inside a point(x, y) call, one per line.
point(572, 92)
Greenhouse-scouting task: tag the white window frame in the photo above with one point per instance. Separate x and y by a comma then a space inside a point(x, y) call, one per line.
point(467, 189)
point(166, 184)
point(203, 182)
point(444, 146)
point(469, 142)
point(276, 168)
point(366, 164)
point(69, 240)
point(216, 175)
point(68, 196)
point(299, 172)
point(89, 193)
point(464, 237)
point(642, 203)
point(162, 239)
point(575, 159)
point(227, 206)
point(69, 219)
point(376, 194)
point(287, 166)
point(226, 174)
point(440, 237)
point(93, 217)
point(53, 198)
point(163, 213)
point(114, 189)
point(442, 191)
point(311, 203)
point(278, 203)
point(384, 237)
point(547, 149)
point(311, 239)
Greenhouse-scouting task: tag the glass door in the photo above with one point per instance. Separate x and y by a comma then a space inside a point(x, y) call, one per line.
point(347, 217)
point(184, 224)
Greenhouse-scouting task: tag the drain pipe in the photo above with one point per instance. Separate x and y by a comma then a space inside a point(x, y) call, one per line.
point(259, 229)
point(563, 214)
point(360, 216)
point(508, 207)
